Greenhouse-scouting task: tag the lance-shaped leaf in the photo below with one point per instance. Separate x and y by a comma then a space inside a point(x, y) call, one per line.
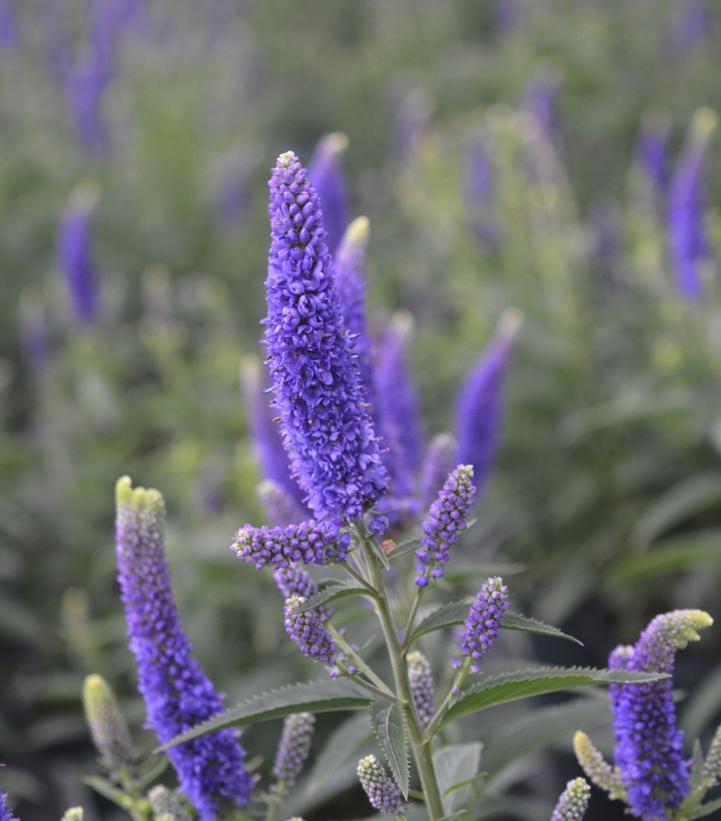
point(332, 593)
point(314, 697)
point(706, 809)
point(493, 690)
point(456, 766)
point(388, 725)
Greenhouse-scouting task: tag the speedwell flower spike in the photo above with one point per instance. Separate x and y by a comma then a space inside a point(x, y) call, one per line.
point(573, 803)
point(420, 677)
point(380, 788)
point(107, 725)
point(327, 431)
point(307, 631)
point(326, 176)
point(484, 620)
point(75, 254)
point(309, 542)
point(443, 525)
point(293, 747)
point(294, 581)
point(649, 747)
point(177, 693)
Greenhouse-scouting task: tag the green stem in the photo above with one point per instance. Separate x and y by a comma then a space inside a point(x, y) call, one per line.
point(381, 688)
point(460, 677)
point(422, 750)
point(138, 807)
point(275, 800)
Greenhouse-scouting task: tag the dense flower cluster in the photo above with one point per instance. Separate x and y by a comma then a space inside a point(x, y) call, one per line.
point(649, 747)
point(294, 581)
point(310, 542)
point(573, 803)
point(317, 389)
point(380, 788)
point(484, 620)
point(307, 631)
point(420, 677)
point(438, 462)
point(444, 524)
point(293, 747)
point(107, 726)
point(177, 693)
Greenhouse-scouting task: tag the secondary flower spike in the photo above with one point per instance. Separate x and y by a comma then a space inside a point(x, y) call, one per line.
point(177, 693)
point(294, 581)
point(326, 176)
point(327, 427)
point(420, 677)
point(293, 747)
point(573, 803)
point(380, 788)
point(649, 747)
point(310, 542)
point(442, 527)
point(307, 631)
point(484, 621)
point(107, 725)
point(596, 768)
point(75, 255)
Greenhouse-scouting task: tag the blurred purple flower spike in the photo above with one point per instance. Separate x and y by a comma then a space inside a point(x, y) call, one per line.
point(326, 176)
point(686, 232)
point(75, 255)
point(691, 27)
point(410, 121)
point(541, 103)
point(652, 149)
point(8, 25)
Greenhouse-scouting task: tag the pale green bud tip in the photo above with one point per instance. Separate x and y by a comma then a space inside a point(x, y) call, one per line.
point(139, 498)
point(73, 814)
point(335, 143)
point(704, 122)
point(510, 323)
point(286, 158)
point(107, 725)
point(682, 626)
point(85, 196)
point(295, 818)
point(573, 803)
point(596, 768)
point(357, 232)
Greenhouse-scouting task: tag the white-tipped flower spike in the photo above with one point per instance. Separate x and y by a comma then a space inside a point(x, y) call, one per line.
point(74, 814)
point(380, 788)
point(573, 803)
point(293, 748)
point(107, 725)
point(420, 677)
point(167, 805)
point(712, 764)
point(597, 769)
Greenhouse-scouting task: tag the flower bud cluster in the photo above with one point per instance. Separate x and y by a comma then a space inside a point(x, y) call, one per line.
point(307, 631)
point(484, 620)
point(573, 803)
point(309, 542)
point(294, 581)
point(380, 788)
point(294, 747)
point(420, 677)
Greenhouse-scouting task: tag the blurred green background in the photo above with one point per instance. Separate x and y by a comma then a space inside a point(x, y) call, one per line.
point(606, 496)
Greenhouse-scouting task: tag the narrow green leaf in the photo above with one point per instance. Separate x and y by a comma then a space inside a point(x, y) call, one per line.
point(332, 593)
point(389, 727)
point(454, 764)
point(515, 621)
point(706, 809)
point(108, 790)
point(380, 553)
point(500, 689)
point(670, 556)
point(312, 697)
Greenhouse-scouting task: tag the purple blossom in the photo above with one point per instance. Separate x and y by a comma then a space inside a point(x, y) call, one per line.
point(310, 542)
point(484, 620)
point(75, 256)
point(8, 25)
point(380, 788)
point(294, 747)
point(327, 428)
point(444, 524)
point(649, 747)
point(294, 581)
point(652, 150)
point(307, 631)
point(509, 14)
point(279, 505)
point(5, 814)
point(541, 102)
point(573, 803)
point(326, 176)
point(691, 27)
point(177, 693)
point(479, 407)
point(420, 678)
point(438, 462)
point(687, 238)
point(350, 281)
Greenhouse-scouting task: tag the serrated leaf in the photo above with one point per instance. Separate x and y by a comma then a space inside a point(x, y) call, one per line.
point(515, 621)
point(493, 690)
point(706, 809)
point(312, 697)
point(389, 727)
point(454, 764)
point(332, 593)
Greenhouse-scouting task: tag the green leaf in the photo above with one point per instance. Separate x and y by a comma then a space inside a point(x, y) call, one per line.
point(670, 556)
point(108, 790)
point(706, 809)
point(312, 697)
point(389, 727)
point(454, 764)
point(332, 593)
point(500, 689)
point(515, 621)
point(379, 552)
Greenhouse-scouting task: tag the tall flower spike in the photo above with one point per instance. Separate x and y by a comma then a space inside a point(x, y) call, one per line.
point(280, 507)
point(596, 768)
point(307, 631)
point(326, 425)
point(326, 176)
point(5, 814)
point(177, 693)
point(479, 408)
point(380, 788)
point(74, 253)
point(420, 677)
point(686, 232)
point(484, 620)
point(573, 803)
point(443, 525)
point(310, 542)
point(107, 725)
point(649, 747)
point(294, 581)
point(293, 747)
point(350, 281)
point(438, 462)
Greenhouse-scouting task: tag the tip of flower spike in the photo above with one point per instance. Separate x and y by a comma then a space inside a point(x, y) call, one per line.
point(85, 195)
point(357, 232)
point(402, 324)
point(704, 122)
point(139, 498)
point(510, 322)
point(682, 626)
point(335, 143)
point(285, 159)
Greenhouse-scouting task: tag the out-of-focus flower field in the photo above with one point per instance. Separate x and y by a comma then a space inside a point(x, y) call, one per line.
point(553, 162)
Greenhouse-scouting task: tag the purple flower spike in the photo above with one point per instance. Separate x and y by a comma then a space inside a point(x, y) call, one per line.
point(294, 581)
point(652, 149)
point(5, 814)
point(307, 631)
point(280, 507)
point(75, 255)
point(444, 524)
point(438, 462)
point(649, 747)
point(573, 803)
point(310, 542)
point(420, 677)
point(484, 620)
point(326, 176)
point(350, 281)
point(541, 102)
point(380, 788)
point(177, 693)
point(479, 408)
point(8, 25)
point(327, 428)
point(687, 237)
point(294, 747)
